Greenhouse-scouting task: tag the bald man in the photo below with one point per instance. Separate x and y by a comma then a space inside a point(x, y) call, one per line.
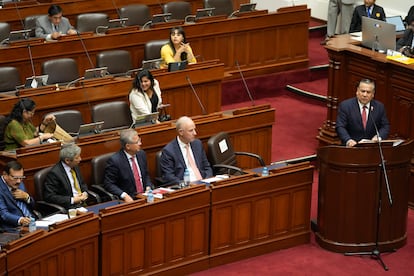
point(184, 152)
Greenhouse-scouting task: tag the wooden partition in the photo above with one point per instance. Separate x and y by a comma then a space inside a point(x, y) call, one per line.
point(259, 43)
point(252, 215)
point(350, 63)
point(250, 130)
point(70, 249)
point(206, 78)
point(171, 234)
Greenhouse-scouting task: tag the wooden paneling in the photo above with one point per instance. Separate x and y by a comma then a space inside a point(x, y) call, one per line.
point(249, 213)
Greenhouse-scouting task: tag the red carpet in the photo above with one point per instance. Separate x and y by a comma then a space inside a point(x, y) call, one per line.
point(319, 87)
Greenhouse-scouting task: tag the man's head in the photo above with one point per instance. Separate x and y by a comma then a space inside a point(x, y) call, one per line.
point(55, 14)
point(365, 91)
point(13, 174)
point(369, 3)
point(70, 155)
point(130, 141)
point(186, 129)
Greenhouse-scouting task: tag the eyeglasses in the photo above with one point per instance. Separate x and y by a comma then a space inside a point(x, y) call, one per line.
point(17, 177)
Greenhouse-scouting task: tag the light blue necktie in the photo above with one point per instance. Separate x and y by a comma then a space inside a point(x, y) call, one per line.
point(22, 205)
point(369, 12)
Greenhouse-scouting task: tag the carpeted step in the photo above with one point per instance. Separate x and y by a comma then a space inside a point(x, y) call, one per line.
point(317, 89)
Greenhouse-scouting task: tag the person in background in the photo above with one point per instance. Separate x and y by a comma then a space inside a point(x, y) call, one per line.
point(356, 116)
point(406, 42)
point(64, 184)
point(184, 152)
point(16, 205)
point(53, 25)
point(368, 9)
point(19, 130)
point(126, 172)
point(410, 15)
point(177, 49)
point(336, 7)
point(145, 95)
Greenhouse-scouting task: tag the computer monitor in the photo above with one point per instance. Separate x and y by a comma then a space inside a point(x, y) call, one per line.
point(204, 12)
point(397, 21)
point(89, 129)
point(146, 119)
point(96, 72)
point(151, 64)
point(19, 35)
point(36, 81)
point(247, 7)
point(378, 35)
point(175, 66)
point(160, 18)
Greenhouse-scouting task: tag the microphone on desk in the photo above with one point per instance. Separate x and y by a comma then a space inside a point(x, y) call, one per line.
point(245, 84)
point(203, 110)
point(34, 81)
point(85, 50)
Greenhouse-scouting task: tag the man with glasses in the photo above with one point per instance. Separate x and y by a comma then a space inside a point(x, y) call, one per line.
point(126, 172)
point(360, 117)
point(16, 205)
point(53, 25)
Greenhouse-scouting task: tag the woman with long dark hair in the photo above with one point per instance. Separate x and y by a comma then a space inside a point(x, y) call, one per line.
point(177, 49)
point(145, 95)
point(20, 131)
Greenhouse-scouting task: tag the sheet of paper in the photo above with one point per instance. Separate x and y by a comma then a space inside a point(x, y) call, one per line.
point(223, 146)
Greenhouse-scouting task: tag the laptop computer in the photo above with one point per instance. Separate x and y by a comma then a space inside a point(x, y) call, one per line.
point(247, 7)
point(398, 22)
point(146, 119)
point(96, 73)
point(175, 66)
point(378, 35)
point(36, 81)
point(89, 129)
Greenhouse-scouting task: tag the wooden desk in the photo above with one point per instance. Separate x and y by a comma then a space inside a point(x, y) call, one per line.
point(249, 131)
point(260, 43)
point(205, 76)
point(253, 215)
point(170, 234)
point(70, 249)
point(350, 63)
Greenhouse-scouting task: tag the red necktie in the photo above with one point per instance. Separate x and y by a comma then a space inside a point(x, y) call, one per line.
point(364, 116)
point(192, 163)
point(137, 177)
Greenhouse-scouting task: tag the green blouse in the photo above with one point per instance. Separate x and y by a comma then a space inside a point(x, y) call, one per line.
point(16, 133)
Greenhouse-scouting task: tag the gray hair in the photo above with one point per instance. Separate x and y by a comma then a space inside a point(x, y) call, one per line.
point(127, 136)
point(368, 81)
point(69, 151)
point(182, 120)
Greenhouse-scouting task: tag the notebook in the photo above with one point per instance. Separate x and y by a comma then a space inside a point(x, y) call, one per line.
point(398, 22)
point(378, 35)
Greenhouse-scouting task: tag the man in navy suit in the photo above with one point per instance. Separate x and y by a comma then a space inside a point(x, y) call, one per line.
point(183, 151)
point(368, 9)
point(351, 113)
point(16, 205)
point(64, 184)
point(126, 172)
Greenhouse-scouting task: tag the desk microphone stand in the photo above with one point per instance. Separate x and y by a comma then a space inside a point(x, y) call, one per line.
point(376, 253)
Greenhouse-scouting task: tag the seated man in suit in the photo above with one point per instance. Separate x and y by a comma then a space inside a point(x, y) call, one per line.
point(53, 25)
point(368, 9)
point(16, 205)
point(184, 152)
point(64, 184)
point(126, 172)
point(359, 117)
point(406, 43)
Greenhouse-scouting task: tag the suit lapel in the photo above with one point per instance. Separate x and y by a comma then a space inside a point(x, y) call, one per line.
point(178, 150)
point(10, 198)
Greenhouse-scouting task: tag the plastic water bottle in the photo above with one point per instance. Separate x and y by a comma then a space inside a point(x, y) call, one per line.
point(32, 225)
point(265, 171)
point(186, 178)
point(150, 196)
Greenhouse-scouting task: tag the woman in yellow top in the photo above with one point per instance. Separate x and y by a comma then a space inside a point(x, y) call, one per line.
point(178, 49)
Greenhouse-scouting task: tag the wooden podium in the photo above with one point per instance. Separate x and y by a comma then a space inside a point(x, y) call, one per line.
point(349, 181)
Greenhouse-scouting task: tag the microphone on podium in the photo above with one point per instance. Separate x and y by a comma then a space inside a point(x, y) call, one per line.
point(245, 84)
point(203, 110)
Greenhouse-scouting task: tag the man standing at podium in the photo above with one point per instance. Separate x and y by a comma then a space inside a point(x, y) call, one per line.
point(360, 117)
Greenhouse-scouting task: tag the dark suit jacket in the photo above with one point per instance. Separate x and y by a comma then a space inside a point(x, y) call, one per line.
point(349, 121)
point(406, 40)
point(173, 165)
point(119, 178)
point(9, 211)
point(360, 11)
point(57, 188)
